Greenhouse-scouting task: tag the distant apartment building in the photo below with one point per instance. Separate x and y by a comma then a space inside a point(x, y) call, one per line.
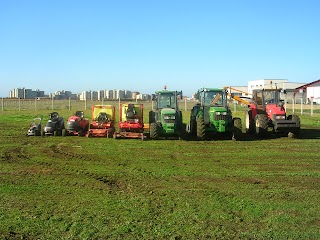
point(101, 95)
point(109, 94)
point(121, 94)
point(85, 95)
point(25, 93)
point(128, 94)
point(62, 94)
point(143, 97)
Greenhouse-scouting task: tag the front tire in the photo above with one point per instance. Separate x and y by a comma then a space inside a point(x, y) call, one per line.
point(154, 134)
point(261, 124)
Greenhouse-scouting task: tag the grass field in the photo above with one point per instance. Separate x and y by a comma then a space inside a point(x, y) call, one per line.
point(97, 188)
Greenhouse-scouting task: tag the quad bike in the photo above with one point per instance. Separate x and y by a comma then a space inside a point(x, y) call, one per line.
point(35, 127)
point(131, 121)
point(54, 126)
point(102, 124)
point(77, 125)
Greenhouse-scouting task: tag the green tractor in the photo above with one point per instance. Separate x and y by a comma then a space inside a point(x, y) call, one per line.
point(212, 116)
point(166, 119)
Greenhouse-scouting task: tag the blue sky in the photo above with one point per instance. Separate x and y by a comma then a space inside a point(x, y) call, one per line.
point(143, 45)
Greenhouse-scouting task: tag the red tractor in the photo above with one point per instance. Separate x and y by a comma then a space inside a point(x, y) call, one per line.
point(267, 110)
point(77, 125)
point(131, 121)
point(102, 124)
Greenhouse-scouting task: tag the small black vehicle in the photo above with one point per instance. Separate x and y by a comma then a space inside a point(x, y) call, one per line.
point(54, 126)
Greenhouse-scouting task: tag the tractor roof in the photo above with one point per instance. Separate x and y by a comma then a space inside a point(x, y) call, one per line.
point(211, 89)
point(165, 92)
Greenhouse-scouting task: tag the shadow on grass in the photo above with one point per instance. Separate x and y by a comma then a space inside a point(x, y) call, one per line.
point(304, 134)
point(307, 133)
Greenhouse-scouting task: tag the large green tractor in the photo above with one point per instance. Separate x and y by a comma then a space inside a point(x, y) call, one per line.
point(212, 116)
point(166, 119)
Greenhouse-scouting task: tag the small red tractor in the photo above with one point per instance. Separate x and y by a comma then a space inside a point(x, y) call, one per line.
point(131, 121)
point(267, 110)
point(77, 125)
point(102, 124)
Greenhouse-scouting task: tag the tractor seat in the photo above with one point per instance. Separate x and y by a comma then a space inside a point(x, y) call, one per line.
point(102, 117)
point(130, 113)
point(79, 114)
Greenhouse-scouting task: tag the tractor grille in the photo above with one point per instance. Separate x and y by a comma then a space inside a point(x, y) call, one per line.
point(169, 120)
point(220, 117)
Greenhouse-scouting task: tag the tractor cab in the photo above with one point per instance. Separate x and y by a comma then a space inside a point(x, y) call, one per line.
point(212, 97)
point(269, 101)
point(166, 99)
point(213, 102)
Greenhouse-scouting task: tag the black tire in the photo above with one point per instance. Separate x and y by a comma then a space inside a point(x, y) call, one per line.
point(64, 132)
point(295, 133)
point(152, 117)
point(237, 129)
point(90, 135)
point(193, 126)
point(261, 125)
point(154, 133)
point(250, 127)
point(201, 129)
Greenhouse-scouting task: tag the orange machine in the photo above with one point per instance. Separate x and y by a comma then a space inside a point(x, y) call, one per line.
point(102, 124)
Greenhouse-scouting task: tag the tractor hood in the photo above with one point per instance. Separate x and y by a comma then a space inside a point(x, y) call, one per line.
point(218, 109)
point(168, 111)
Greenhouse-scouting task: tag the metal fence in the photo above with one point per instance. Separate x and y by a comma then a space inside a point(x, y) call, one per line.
point(71, 104)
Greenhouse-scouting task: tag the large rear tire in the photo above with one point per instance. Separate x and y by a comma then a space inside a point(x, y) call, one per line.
point(249, 122)
point(154, 133)
point(201, 129)
point(261, 124)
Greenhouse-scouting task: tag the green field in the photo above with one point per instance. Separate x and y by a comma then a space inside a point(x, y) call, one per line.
point(98, 188)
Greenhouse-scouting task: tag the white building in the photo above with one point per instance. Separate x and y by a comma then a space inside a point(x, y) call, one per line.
point(312, 91)
point(85, 95)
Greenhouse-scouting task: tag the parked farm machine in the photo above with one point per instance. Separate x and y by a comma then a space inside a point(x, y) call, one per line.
point(131, 121)
point(212, 116)
point(77, 125)
point(102, 124)
point(268, 110)
point(166, 119)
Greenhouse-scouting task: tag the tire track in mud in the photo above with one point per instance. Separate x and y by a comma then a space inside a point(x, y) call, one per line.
point(63, 152)
point(14, 155)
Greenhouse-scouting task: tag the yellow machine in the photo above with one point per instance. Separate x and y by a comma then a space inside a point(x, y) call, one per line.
point(131, 121)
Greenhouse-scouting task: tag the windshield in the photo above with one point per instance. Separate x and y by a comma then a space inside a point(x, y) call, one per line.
point(166, 101)
point(271, 96)
point(213, 98)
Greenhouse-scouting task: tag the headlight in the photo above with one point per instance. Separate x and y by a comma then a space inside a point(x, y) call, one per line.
point(221, 113)
point(166, 117)
point(280, 117)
